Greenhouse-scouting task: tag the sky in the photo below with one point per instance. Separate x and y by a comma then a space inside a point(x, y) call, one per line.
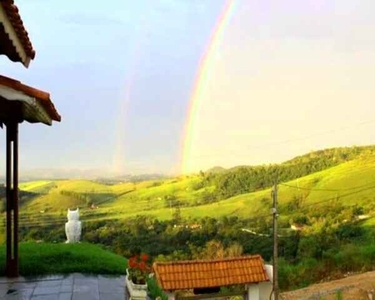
point(285, 78)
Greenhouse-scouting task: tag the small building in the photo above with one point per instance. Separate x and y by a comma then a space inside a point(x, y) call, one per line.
point(296, 227)
point(195, 226)
point(204, 278)
point(363, 217)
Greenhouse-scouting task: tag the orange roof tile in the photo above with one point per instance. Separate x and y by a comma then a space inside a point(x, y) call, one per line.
point(182, 275)
point(42, 97)
point(14, 17)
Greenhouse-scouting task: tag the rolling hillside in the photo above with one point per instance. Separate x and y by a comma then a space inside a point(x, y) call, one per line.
point(344, 174)
point(330, 194)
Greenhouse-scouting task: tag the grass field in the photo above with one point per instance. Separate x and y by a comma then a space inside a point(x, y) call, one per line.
point(351, 183)
point(38, 259)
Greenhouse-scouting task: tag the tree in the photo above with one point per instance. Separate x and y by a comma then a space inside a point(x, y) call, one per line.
point(234, 250)
point(177, 215)
point(213, 250)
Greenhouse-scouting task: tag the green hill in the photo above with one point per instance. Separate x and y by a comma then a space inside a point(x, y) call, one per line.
point(243, 192)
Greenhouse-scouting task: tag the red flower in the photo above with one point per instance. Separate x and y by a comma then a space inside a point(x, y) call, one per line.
point(138, 267)
point(142, 266)
point(144, 257)
point(133, 262)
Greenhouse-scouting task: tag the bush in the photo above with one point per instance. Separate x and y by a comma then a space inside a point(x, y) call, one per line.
point(154, 290)
point(348, 259)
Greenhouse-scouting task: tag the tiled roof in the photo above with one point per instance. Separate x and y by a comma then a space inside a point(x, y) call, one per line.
point(14, 17)
point(182, 275)
point(43, 98)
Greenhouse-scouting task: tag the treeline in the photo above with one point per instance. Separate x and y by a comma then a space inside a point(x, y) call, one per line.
point(241, 180)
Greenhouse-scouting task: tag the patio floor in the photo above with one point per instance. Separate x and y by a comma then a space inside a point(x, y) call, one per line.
point(60, 287)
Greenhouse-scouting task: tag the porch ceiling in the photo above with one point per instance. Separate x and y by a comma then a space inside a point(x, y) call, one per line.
point(23, 103)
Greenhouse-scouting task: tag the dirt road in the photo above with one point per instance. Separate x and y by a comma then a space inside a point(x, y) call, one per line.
point(356, 287)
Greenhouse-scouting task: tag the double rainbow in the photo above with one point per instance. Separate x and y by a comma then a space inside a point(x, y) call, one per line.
point(201, 80)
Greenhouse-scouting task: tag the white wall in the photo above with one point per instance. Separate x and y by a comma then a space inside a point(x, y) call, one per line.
point(265, 290)
point(253, 292)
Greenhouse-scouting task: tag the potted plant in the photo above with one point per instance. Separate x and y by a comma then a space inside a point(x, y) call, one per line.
point(136, 276)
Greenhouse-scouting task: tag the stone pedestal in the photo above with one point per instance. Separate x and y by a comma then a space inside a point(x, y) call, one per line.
point(136, 291)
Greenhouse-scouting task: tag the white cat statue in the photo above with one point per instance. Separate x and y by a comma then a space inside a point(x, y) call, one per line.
point(73, 227)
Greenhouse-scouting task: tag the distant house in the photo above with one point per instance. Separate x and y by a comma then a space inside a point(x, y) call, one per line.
point(363, 217)
point(195, 226)
point(179, 226)
point(204, 278)
point(297, 227)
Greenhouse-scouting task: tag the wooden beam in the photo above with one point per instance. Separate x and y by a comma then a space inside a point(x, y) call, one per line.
point(10, 111)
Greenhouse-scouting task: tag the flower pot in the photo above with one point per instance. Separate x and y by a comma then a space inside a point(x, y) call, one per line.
point(136, 291)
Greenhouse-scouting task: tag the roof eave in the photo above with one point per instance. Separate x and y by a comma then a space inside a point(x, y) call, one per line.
point(14, 39)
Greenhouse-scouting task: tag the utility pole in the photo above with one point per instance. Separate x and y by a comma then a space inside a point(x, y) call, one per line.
point(275, 251)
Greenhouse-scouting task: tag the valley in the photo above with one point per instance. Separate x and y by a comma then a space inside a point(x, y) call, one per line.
point(326, 214)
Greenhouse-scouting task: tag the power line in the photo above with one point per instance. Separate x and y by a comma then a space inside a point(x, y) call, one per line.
point(326, 190)
point(261, 217)
point(334, 198)
point(60, 220)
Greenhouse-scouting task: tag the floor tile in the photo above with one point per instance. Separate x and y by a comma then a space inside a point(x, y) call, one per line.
point(68, 280)
point(65, 296)
point(112, 296)
point(85, 289)
point(88, 281)
point(85, 296)
point(4, 287)
point(24, 294)
point(50, 283)
point(23, 285)
point(45, 297)
point(84, 276)
point(66, 288)
point(46, 290)
point(111, 289)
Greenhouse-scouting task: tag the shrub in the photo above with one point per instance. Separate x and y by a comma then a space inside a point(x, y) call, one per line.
point(154, 290)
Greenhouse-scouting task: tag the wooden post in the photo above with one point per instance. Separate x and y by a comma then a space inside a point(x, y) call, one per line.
point(12, 263)
point(275, 250)
point(9, 198)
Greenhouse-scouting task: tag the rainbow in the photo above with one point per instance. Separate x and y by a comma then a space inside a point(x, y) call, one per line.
point(119, 155)
point(200, 82)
